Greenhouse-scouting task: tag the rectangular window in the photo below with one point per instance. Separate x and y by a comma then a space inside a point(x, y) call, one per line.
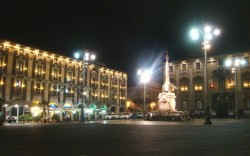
point(39, 70)
point(246, 84)
point(197, 66)
point(20, 66)
point(220, 62)
point(184, 67)
point(199, 104)
point(197, 87)
point(171, 69)
point(40, 56)
point(55, 73)
point(184, 88)
point(69, 76)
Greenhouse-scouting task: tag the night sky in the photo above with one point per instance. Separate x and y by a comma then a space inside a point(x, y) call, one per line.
point(126, 34)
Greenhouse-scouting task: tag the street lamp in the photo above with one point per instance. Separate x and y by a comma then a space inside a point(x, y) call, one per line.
point(17, 112)
point(86, 56)
point(145, 75)
point(207, 33)
point(235, 63)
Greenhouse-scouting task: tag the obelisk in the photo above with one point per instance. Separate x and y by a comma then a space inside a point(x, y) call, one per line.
point(167, 98)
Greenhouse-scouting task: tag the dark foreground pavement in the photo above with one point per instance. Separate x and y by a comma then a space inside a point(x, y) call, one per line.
point(229, 137)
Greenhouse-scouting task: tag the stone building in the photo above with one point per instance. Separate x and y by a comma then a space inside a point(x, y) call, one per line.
point(29, 75)
point(188, 76)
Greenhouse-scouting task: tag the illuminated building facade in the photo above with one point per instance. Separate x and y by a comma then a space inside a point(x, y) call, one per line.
point(32, 75)
point(188, 76)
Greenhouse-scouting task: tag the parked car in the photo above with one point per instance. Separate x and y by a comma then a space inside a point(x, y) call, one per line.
point(159, 116)
point(126, 115)
point(117, 116)
point(109, 116)
point(139, 115)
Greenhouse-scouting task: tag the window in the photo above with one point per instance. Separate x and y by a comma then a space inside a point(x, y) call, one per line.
point(55, 74)
point(20, 67)
point(55, 60)
point(199, 104)
point(40, 56)
point(246, 59)
point(69, 91)
point(184, 88)
point(220, 62)
point(198, 86)
point(248, 103)
point(171, 69)
point(69, 76)
point(246, 84)
point(38, 87)
point(54, 89)
point(184, 104)
point(197, 66)
point(184, 85)
point(184, 67)
point(18, 86)
point(39, 70)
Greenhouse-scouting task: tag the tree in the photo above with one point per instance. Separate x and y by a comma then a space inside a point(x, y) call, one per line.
point(44, 103)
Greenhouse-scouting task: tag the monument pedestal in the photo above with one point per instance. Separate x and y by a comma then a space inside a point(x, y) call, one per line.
point(167, 101)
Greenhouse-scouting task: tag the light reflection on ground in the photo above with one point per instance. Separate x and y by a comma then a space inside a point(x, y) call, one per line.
point(137, 122)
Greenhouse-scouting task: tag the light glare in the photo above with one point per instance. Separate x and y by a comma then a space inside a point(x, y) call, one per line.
point(92, 57)
point(228, 63)
point(77, 55)
point(207, 29)
point(216, 32)
point(194, 34)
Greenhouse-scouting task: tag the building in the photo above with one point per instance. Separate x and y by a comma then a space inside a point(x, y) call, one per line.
point(29, 76)
point(135, 100)
point(188, 76)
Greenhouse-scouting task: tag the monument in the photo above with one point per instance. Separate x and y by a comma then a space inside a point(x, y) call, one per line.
point(166, 100)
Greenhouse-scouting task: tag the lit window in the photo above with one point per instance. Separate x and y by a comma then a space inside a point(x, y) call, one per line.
point(20, 67)
point(184, 88)
point(246, 84)
point(197, 86)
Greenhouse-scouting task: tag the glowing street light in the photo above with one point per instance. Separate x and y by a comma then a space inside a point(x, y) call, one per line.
point(207, 34)
point(235, 63)
point(86, 56)
point(145, 76)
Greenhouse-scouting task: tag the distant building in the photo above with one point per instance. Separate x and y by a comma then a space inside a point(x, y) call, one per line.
point(136, 96)
point(31, 75)
point(188, 76)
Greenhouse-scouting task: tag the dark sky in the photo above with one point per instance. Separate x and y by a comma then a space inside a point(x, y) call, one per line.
point(126, 34)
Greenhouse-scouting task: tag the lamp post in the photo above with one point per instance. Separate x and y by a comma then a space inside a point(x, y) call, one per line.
point(144, 78)
point(207, 34)
point(235, 63)
point(86, 56)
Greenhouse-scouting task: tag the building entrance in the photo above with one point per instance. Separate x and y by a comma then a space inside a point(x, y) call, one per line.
point(223, 104)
